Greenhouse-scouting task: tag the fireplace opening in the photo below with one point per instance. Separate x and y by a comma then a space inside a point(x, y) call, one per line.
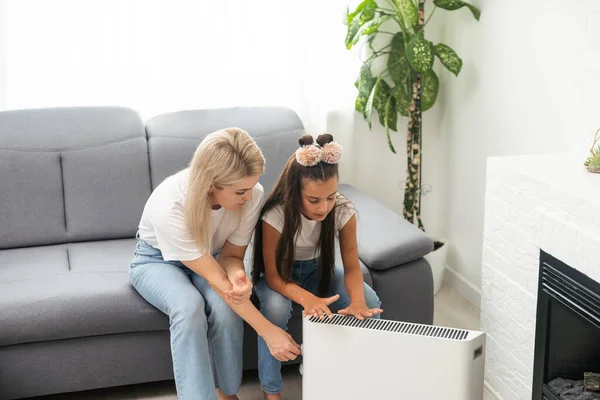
point(567, 344)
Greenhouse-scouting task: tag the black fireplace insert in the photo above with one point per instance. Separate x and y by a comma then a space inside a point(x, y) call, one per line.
point(567, 339)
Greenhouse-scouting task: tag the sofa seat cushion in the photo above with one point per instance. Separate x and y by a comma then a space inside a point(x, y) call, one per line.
point(77, 290)
point(72, 290)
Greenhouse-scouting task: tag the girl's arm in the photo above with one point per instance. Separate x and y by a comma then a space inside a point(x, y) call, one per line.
point(353, 278)
point(312, 304)
point(290, 290)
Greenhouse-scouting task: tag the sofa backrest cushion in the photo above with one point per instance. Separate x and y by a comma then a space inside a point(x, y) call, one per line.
point(173, 137)
point(71, 174)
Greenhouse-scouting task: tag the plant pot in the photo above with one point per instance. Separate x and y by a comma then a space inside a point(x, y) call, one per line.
point(594, 169)
point(437, 262)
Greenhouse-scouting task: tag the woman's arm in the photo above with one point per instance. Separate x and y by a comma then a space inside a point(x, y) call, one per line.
point(353, 278)
point(312, 304)
point(208, 268)
point(232, 258)
point(232, 261)
point(281, 344)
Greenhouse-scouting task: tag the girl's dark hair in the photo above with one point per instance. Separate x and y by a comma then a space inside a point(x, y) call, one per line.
point(288, 194)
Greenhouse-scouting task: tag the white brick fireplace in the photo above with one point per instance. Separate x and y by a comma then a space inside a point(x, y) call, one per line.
point(532, 202)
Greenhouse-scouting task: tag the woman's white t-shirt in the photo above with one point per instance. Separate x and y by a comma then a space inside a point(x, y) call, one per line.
point(163, 224)
point(308, 238)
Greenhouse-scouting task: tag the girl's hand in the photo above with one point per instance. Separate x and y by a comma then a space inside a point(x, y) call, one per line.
point(281, 345)
point(241, 290)
point(318, 306)
point(360, 310)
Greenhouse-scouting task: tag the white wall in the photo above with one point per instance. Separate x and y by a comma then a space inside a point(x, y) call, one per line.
point(161, 56)
point(530, 84)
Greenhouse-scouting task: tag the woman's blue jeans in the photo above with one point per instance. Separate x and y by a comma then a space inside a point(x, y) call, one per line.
point(206, 334)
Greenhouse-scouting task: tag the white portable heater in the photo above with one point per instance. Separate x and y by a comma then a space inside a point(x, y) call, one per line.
point(344, 358)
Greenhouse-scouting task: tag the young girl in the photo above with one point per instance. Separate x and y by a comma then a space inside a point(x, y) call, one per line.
point(188, 263)
point(300, 221)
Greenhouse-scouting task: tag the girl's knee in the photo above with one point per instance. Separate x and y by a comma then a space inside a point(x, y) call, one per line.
point(371, 298)
point(276, 308)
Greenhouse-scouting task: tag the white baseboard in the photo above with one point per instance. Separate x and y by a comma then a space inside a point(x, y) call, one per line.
point(461, 285)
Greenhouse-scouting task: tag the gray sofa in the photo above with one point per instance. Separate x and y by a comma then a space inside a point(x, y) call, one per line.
point(73, 183)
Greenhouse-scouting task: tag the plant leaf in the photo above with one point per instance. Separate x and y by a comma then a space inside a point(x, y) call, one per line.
point(409, 12)
point(368, 4)
point(390, 118)
point(420, 53)
point(350, 15)
point(353, 28)
point(594, 162)
point(372, 26)
point(594, 159)
point(364, 84)
point(364, 13)
point(391, 114)
point(365, 79)
point(430, 85)
point(398, 65)
point(449, 58)
point(369, 106)
point(360, 103)
point(382, 96)
point(452, 5)
point(368, 12)
point(403, 98)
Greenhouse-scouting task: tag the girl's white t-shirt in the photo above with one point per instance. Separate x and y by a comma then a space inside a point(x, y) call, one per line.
point(163, 224)
point(308, 238)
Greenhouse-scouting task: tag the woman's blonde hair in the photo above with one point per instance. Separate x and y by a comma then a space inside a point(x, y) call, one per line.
point(223, 158)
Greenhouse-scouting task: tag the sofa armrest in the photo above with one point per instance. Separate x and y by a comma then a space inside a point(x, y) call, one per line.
point(406, 292)
point(385, 239)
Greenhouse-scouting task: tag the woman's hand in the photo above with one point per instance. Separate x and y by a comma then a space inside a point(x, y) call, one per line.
point(360, 310)
point(318, 306)
point(281, 345)
point(242, 287)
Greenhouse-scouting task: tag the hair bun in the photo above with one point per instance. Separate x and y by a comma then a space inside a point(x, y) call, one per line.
point(306, 140)
point(324, 138)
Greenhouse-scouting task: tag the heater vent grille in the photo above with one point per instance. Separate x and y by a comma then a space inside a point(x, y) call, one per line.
point(394, 326)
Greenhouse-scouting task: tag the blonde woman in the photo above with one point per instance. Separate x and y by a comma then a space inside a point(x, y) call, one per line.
point(188, 263)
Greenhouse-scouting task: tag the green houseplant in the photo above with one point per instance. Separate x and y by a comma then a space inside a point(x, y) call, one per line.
point(408, 85)
point(593, 161)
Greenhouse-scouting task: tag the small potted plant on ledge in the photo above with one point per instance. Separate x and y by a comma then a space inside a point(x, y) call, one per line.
point(408, 86)
point(593, 161)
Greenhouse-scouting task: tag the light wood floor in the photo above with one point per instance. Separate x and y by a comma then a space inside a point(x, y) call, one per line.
point(451, 309)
